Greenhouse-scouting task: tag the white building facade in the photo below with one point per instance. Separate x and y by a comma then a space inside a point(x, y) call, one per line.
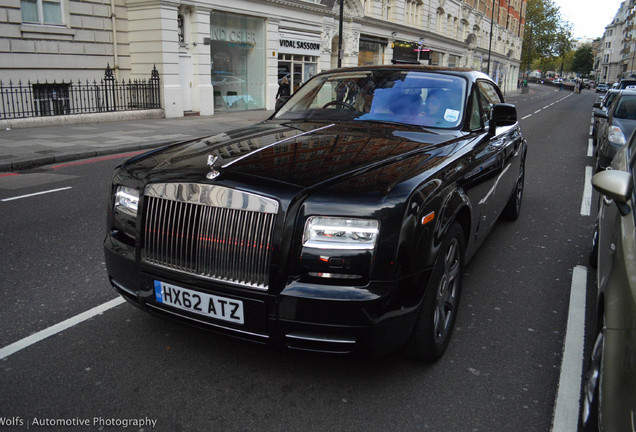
point(615, 55)
point(220, 55)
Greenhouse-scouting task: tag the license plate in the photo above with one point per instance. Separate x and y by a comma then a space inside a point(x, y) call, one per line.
point(222, 308)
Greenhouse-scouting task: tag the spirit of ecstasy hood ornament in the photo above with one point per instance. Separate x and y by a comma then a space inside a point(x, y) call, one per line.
point(213, 173)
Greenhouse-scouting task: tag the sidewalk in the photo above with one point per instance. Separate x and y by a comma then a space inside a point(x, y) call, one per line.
point(26, 148)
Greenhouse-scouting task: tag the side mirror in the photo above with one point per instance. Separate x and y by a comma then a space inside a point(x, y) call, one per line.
point(503, 114)
point(596, 105)
point(599, 113)
point(615, 185)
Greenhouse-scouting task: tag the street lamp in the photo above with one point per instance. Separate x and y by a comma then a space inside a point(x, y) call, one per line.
point(492, 20)
point(340, 34)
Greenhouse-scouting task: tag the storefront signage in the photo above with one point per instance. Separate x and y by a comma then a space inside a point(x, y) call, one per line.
point(295, 46)
point(236, 36)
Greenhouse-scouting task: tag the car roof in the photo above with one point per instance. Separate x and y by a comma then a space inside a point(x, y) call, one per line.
point(469, 73)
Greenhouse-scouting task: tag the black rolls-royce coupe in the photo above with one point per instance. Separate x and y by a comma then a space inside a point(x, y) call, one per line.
point(341, 224)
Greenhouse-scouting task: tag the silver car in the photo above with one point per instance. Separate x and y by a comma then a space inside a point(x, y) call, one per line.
point(610, 386)
point(619, 123)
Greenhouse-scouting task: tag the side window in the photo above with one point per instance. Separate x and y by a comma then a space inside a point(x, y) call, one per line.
point(488, 97)
point(475, 112)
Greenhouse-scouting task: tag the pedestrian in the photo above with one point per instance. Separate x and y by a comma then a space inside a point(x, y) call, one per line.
point(283, 88)
point(283, 93)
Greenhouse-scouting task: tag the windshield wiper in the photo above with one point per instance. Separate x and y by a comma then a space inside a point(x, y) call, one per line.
point(425, 129)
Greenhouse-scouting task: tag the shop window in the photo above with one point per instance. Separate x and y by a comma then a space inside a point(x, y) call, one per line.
point(296, 68)
point(42, 11)
point(237, 50)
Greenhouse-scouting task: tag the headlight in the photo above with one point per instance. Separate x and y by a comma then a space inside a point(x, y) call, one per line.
point(323, 232)
point(616, 136)
point(126, 200)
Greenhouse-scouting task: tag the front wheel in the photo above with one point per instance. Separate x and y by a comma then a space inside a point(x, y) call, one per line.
point(438, 311)
point(589, 413)
point(513, 208)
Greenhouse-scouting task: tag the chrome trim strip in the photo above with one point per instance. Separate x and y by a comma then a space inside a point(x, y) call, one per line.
point(259, 335)
point(212, 195)
point(211, 278)
point(300, 336)
point(276, 143)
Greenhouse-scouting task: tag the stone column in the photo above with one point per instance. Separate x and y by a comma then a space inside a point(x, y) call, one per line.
point(153, 38)
point(202, 92)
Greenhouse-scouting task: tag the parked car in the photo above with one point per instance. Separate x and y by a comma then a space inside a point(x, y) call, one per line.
point(604, 105)
point(609, 402)
point(619, 123)
point(341, 224)
point(601, 88)
point(624, 83)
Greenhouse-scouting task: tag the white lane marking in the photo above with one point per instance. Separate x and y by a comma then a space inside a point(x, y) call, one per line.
point(36, 193)
point(57, 328)
point(545, 107)
point(591, 130)
point(590, 147)
point(586, 202)
point(566, 407)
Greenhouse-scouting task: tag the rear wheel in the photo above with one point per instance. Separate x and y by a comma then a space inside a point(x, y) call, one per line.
point(438, 311)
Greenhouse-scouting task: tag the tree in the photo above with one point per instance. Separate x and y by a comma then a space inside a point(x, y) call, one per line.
point(563, 44)
point(544, 31)
point(583, 61)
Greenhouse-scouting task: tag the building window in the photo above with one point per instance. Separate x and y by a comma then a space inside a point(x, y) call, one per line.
point(413, 12)
point(51, 99)
point(181, 28)
point(368, 7)
point(386, 9)
point(42, 11)
point(439, 23)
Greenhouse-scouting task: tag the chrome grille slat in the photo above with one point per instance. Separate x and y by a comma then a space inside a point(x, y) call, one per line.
point(209, 231)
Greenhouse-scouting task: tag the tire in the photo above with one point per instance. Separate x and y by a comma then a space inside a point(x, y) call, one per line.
point(438, 311)
point(593, 255)
point(589, 409)
point(513, 208)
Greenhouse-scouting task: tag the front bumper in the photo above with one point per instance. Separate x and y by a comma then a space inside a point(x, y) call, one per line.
point(373, 319)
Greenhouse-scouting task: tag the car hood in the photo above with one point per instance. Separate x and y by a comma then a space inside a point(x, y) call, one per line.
point(302, 154)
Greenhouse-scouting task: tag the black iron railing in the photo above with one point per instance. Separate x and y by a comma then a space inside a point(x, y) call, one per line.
point(48, 99)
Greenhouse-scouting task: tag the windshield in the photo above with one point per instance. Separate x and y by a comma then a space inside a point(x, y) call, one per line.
point(408, 97)
point(626, 108)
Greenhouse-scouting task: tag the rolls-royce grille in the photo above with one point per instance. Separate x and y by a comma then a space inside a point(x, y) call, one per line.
point(209, 231)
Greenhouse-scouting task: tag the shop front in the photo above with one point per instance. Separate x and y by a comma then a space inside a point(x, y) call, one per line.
point(298, 55)
point(371, 50)
point(237, 50)
point(410, 52)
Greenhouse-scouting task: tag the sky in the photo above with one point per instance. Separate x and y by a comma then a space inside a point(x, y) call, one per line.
point(588, 17)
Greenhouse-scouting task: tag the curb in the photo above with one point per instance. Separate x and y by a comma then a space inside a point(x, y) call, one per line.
point(35, 162)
